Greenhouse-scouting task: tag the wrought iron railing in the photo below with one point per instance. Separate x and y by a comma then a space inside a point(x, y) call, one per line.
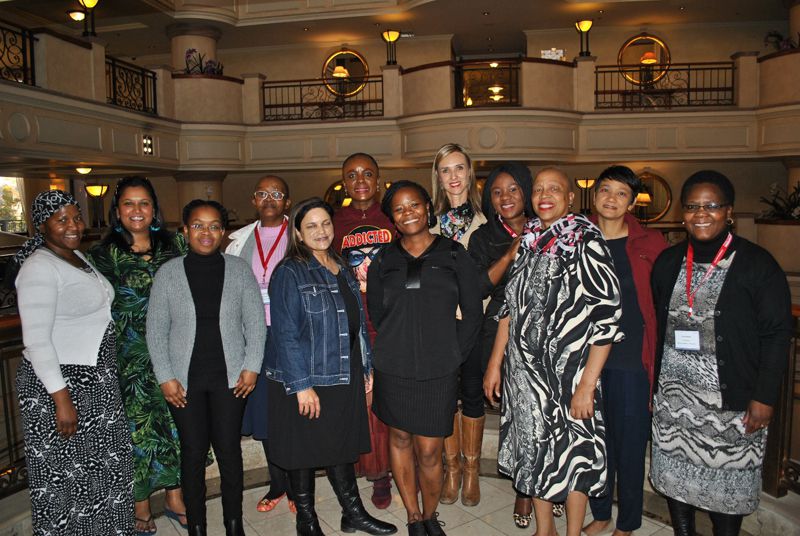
point(13, 471)
point(782, 458)
point(317, 99)
point(486, 83)
point(16, 54)
point(130, 86)
point(652, 87)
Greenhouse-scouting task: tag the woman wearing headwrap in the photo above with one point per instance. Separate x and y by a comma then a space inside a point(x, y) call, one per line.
point(77, 443)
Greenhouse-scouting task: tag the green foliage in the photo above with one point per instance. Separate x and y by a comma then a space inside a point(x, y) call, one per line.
point(784, 204)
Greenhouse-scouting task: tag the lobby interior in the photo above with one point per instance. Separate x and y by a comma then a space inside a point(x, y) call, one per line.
point(722, 94)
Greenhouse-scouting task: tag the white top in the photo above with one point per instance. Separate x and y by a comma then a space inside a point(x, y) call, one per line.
point(65, 312)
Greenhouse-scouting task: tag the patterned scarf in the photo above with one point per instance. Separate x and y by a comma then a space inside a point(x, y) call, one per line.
point(455, 222)
point(44, 205)
point(560, 239)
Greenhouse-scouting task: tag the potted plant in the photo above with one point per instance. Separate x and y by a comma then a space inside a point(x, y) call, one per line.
point(196, 64)
point(779, 225)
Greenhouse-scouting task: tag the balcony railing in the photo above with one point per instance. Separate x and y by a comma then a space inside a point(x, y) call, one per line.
point(317, 99)
point(657, 87)
point(130, 86)
point(13, 471)
point(16, 54)
point(478, 84)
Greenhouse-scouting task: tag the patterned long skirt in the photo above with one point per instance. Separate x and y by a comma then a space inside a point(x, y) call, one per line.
point(82, 485)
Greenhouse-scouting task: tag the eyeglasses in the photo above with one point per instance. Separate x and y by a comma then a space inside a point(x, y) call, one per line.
point(274, 194)
point(214, 228)
point(710, 207)
point(356, 257)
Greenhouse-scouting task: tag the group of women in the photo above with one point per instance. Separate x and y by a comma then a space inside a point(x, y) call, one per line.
point(345, 340)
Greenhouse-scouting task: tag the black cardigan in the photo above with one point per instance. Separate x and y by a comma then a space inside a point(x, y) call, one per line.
point(412, 304)
point(753, 322)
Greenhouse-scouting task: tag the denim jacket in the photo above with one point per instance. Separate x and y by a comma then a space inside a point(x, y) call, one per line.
point(308, 342)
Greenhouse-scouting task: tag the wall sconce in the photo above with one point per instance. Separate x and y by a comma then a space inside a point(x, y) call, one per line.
point(391, 37)
point(147, 145)
point(96, 192)
point(585, 184)
point(88, 20)
point(583, 27)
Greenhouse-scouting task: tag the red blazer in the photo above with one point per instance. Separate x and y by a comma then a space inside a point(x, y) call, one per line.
point(643, 248)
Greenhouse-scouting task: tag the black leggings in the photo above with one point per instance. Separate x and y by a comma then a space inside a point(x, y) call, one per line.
point(682, 515)
point(471, 385)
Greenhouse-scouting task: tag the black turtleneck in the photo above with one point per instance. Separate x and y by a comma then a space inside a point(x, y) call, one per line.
point(706, 250)
point(206, 276)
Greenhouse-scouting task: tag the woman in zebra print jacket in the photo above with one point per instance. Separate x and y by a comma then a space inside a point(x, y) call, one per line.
point(563, 309)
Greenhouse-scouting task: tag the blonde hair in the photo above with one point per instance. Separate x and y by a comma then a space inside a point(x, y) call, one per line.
point(440, 202)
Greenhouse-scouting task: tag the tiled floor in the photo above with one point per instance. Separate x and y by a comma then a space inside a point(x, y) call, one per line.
point(492, 517)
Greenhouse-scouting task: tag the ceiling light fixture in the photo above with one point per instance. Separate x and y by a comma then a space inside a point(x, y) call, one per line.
point(88, 20)
point(340, 72)
point(77, 15)
point(494, 65)
point(496, 89)
point(648, 58)
point(83, 170)
point(496, 98)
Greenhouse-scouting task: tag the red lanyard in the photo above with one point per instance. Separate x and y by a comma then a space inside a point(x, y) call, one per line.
point(689, 260)
point(509, 229)
point(265, 261)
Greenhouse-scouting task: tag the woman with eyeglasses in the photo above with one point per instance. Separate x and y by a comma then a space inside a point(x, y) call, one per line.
point(136, 246)
point(360, 231)
point(724, 324)
point(458, 214)
point(263, 244)
point(205, 333)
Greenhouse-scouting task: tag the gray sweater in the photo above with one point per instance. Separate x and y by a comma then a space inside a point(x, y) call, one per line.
point(171, 322)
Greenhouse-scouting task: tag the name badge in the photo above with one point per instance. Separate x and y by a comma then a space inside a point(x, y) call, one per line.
point(265, 296)
point(687, 340)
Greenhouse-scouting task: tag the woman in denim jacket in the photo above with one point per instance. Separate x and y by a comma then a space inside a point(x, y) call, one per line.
point(319, 363)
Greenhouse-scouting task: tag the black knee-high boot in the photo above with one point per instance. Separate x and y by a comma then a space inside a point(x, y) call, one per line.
point(354, 515)
point(725, 524)
point(682, 516)
point(302, 483)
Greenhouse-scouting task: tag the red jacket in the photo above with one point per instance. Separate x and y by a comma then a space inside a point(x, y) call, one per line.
point(643, 247)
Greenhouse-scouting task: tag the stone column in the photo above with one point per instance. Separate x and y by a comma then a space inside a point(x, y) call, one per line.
point(585, 83)
point(253, 98)
point(185, 36)
point(745, 83)
point(392, 91)
point(199, 185)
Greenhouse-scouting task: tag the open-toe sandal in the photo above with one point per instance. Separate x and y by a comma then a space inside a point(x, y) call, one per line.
point(268, 505)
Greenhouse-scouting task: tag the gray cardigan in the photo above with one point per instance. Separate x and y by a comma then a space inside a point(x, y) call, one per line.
point(171, 321)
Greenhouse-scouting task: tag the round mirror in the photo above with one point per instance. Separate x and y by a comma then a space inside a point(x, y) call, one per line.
point(653, 202)
point(345, 73)
point(643, 59)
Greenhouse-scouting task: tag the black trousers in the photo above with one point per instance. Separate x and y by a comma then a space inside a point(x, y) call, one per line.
point(471, 384)
point(625, 399)
point(211, 417)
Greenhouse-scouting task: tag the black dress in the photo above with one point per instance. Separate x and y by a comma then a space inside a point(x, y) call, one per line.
point(420, 344)
point(341, 432)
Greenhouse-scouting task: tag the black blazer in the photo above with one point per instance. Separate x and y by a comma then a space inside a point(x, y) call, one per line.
point(753, 322)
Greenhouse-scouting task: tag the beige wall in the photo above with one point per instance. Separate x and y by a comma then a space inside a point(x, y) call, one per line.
point(209, 100)
point(67, 68)
point(547, 86)
point(428, 90)
point(778, 83)
point(687, 43)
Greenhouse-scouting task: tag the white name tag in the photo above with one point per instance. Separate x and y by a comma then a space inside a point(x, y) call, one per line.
point(687, 340)
point(265, 296)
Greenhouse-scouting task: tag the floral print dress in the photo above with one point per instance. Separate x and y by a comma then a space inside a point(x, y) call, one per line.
point(156, 449)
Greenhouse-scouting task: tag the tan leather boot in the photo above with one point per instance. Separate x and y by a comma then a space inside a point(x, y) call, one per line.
point(471, 441)
point(452, 456)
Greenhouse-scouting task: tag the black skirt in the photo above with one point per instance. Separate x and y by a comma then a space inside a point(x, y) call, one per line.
point(423, 408)
point(341, 432)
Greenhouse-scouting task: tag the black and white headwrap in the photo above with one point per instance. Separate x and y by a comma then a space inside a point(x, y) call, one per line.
point(44, 205)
